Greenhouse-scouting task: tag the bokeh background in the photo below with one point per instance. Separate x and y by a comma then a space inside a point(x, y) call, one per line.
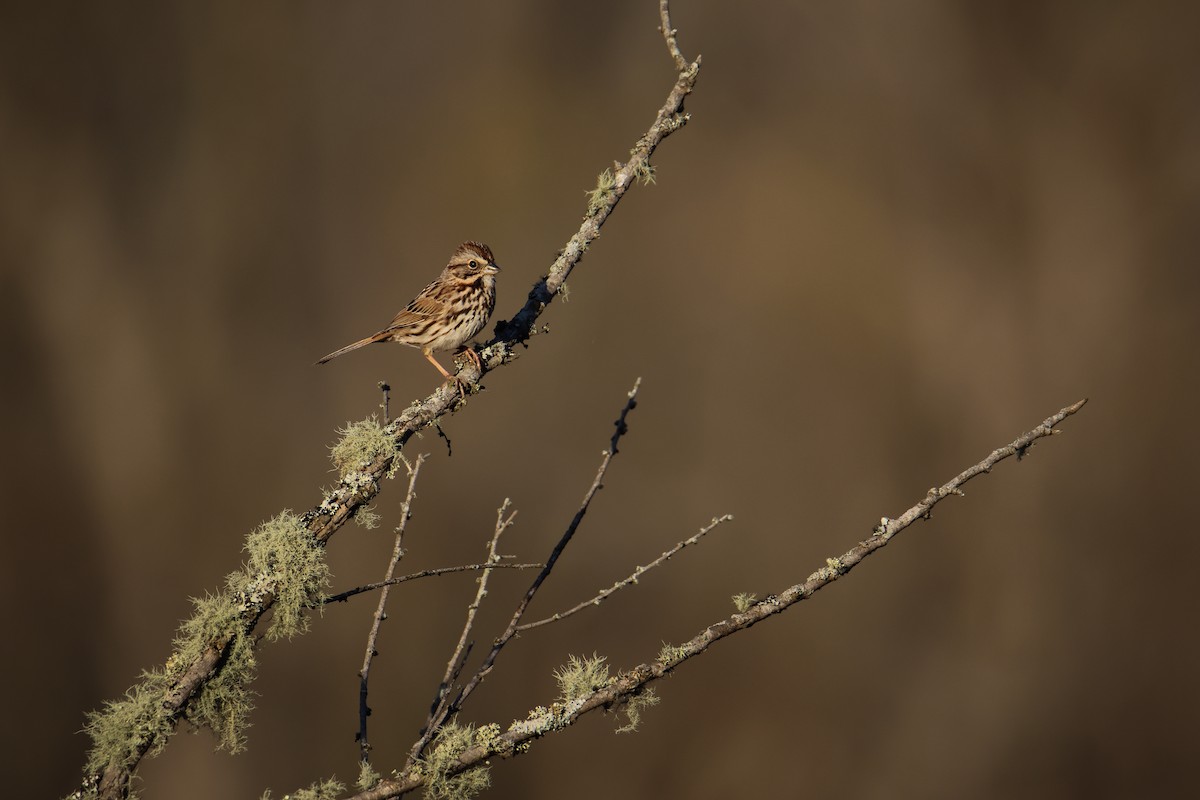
point(893, 237)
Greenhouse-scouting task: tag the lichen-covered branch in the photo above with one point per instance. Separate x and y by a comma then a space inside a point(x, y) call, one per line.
point(629, 685)
point(169, 700)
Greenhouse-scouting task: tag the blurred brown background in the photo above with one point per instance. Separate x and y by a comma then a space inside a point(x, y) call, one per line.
point(893, 237)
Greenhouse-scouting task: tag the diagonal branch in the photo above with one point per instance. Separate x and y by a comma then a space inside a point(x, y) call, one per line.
point(629, 684)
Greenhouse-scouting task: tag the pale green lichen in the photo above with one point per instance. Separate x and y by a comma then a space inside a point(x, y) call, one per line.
point(743, 600)
point(367, 777)
point(321, 790)
point(223, 704)
point(578, 680)
point(285, 563)
point(226, 700)
point(644, 172)
point(360, 444)
point(603, 193)
point(451, 742)
point(118, 730)
point(366, 517)
point(634, 707)
point(486, 736)
point(580, 677)
point(669, 654)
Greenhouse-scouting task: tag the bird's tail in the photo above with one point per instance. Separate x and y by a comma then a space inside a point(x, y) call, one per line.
point(349, 347)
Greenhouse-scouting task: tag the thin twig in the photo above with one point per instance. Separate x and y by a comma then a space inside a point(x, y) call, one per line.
point(664, 13)
point(364, 747)
point(631, 683)
point(342, 597)
point(633, 578)
point(459, 657)
point(452, 708)
point(383, 387)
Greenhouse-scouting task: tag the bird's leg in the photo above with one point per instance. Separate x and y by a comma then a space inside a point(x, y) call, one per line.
point(437, 366)
point(472, 355)
point(458, 382)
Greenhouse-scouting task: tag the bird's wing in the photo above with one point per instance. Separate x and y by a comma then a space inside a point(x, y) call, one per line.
point(423, 307)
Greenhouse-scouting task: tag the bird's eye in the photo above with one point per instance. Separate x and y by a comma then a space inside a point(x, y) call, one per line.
point(473, 264)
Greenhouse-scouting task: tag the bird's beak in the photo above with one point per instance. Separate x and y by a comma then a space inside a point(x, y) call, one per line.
point(494, 267)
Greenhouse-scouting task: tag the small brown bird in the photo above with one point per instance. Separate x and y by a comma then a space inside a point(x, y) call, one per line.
point(448, 312)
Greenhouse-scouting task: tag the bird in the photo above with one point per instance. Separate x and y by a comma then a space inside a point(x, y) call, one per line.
point(447, 313)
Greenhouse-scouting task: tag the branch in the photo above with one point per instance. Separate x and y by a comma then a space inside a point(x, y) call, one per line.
point(630, 684)
point(459, 657)
point(364, 747)
point(633, 578)
point(664, 13)
point(452, 708)
point(359, 488)
point(342, 597)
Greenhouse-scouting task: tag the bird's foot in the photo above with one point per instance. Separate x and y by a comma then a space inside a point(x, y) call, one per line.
point(471, 355)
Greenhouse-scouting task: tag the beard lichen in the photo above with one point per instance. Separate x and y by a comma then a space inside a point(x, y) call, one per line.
point(368, 778)
point(742, 601)
point(360, 444)
point(123, 724)
point(321, 790)
point(634, 707)
point(452, 741)
point(603, 193)
point(580, 677)
point(285, 563)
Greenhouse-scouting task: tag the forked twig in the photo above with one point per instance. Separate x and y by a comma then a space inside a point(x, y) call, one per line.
point(450, 709)
point(364, 711)
point(459, 657)
point(604, 594)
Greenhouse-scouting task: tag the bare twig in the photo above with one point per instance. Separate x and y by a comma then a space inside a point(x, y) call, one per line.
point(383, 387)
point(664, 13)
point(342, 597)
point(459, 657)
point(631, 683)
point(633, 578)
point(364, 711)
point(452, 708)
